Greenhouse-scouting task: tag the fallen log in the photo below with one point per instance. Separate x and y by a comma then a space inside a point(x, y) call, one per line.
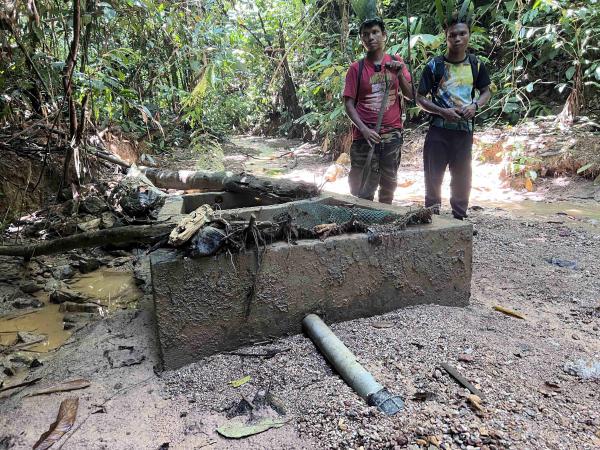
point(119, 235)
point(277, 189)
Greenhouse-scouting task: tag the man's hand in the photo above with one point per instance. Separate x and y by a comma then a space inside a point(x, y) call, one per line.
point(371, 136)
point(451, 114)
point(469, 111)
point(395, 65)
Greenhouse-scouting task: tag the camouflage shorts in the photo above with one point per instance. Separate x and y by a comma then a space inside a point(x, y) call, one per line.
point(383, 168)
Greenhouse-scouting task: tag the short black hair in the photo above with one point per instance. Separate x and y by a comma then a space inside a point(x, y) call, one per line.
point(455, 20)
point(369, 23)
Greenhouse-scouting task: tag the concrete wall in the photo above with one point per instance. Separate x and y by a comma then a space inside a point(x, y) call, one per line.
point(205, 305)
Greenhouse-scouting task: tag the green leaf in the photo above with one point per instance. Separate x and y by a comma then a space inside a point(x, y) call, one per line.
point(464, 9)
point(439, 11)
point(449, 10)
point(241, 381)
point(584, 168)
point(235, 430)
point(597, 180)
point(327, 73)
point(529, 87)
point(570, 72)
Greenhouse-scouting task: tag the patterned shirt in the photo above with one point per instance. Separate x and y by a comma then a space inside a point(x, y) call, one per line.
point(455, 88)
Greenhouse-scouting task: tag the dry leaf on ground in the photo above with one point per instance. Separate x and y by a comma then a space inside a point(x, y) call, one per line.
point(235, 430)
point(63, 423)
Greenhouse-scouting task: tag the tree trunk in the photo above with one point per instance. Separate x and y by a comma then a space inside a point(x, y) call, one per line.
point(280, 191)
point(67, 81)
point(288, 92)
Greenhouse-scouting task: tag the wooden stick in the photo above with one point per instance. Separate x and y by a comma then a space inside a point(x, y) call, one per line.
point(25, 383)
point(461, 380)
point(119, 235)
point(509, 312)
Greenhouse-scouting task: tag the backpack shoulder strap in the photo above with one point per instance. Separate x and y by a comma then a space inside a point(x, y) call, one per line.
point(361, 66)
point(474, 70)
point(438, 73)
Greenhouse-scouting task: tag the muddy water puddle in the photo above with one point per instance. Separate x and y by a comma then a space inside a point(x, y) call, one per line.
point(45, 322)
point(112, 289)
point(567, 213)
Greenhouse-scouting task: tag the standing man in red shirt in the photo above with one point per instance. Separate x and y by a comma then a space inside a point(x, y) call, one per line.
point(374, 79)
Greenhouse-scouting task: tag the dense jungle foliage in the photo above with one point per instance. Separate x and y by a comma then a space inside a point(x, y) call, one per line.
point(216, 67)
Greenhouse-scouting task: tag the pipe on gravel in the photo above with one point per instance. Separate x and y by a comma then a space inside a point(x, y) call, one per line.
point(345, 363)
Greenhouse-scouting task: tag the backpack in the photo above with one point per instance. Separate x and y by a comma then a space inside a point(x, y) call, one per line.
point(361, 66)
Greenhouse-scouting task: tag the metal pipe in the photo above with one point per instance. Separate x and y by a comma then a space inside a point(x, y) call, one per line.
point(345, 363)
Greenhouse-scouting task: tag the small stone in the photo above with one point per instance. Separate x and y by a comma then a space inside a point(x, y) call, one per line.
point(26, 337)
point(80, 308)
point(108, 220)
point(65, 295)
point(63, 272)
point(576, 337)
point(87, 265)
point(433, 440)
point(124, 357)
point(30, 287)
point(93, 205)
point(192, 428)
point(27, 302)
point(421, 442)
point(466, 358)
point(118, 386)
point(90, 225)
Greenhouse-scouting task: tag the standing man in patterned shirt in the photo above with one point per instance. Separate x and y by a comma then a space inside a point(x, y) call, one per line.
point(369, 82)
point(451, 81)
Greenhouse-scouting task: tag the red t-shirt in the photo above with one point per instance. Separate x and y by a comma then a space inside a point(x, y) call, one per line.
point(370, 94)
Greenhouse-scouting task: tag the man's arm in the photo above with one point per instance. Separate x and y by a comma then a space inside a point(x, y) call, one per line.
point(399, 67)
point(449, 114)
point(469, 111)
point(370, 135)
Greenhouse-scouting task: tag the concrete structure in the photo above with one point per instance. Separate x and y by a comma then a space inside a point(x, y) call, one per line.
point(213, 304)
